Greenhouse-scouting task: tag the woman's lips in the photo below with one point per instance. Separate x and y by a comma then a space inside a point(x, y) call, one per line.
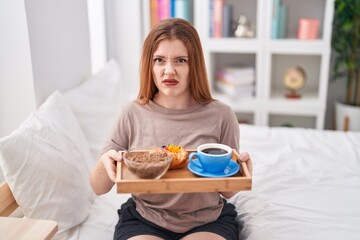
point(170, 82)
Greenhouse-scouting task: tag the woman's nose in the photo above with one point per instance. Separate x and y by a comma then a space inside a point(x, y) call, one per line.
point(169, 68)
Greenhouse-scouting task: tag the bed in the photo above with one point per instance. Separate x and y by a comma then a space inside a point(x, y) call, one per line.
point(306, 183)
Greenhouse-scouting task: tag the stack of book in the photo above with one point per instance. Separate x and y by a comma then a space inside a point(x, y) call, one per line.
point(162, 9)
point(236, 82)
point(221, 19)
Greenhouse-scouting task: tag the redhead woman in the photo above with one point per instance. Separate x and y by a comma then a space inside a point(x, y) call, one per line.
point(174, 105)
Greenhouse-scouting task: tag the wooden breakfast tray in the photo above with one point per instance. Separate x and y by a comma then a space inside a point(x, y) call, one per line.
point(182, 180)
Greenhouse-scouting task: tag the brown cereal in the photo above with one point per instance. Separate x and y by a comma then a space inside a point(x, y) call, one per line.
point(148, 165)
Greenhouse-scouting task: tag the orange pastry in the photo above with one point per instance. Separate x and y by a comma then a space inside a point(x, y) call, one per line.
point(180, 156)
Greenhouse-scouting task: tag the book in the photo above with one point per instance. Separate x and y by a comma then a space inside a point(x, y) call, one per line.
point(153, 12)
point(183, 9)
point(211, 18)
point(235, 91)
point(240, 70)
point(275, 19)
point(163, 9)
point(172, 8)
point(227, 29)
point(282, 21)
point(237, 76)
point(218, 17)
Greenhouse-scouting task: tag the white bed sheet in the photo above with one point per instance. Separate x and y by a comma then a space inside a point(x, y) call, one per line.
point(103, 217)
point(306, 184)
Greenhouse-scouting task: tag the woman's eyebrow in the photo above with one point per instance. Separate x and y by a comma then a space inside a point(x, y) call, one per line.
point(174, 58)
point(181, 56)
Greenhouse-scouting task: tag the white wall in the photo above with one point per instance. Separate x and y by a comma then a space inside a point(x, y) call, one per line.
point(17, 99)
point(124, 40)
point(97, 31)
point(44, 46)
point(59, 42)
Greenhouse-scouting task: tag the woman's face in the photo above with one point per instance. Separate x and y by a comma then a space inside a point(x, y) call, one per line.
point(171, 69)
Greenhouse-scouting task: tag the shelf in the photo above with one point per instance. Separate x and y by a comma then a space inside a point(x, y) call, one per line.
point(270, 58)
point(278, 120)
point(296, 46)
point(237, 104)
point(299, 109)
point(274, 45)
point(309, 97)
point(232, 45)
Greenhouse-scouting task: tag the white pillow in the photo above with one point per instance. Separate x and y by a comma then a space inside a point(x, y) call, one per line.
point(96, 104)
point(45, 164)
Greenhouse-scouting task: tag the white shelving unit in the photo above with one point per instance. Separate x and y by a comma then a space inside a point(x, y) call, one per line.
point(270, 58)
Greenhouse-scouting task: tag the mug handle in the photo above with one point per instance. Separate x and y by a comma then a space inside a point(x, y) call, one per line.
point(194, 154)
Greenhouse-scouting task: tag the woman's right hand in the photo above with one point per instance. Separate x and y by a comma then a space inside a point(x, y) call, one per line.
point(109, 160)
point(102, 177)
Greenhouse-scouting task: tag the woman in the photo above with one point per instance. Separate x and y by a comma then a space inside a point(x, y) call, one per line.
point(174, 105)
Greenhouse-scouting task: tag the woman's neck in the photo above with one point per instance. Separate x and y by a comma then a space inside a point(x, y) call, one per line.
point(174, 102)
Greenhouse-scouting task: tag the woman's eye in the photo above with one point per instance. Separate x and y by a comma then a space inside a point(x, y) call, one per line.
point(158, 60)
point(182, 60)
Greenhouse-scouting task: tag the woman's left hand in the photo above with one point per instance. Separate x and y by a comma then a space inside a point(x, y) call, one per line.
point(245, 157)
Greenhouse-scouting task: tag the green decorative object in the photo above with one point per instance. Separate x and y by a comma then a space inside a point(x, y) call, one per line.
point(346, 44)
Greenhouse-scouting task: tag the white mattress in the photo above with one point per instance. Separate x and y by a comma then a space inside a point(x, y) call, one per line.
point(306, 185)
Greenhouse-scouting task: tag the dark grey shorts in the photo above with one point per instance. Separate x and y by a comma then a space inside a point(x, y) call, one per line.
point(131, 224)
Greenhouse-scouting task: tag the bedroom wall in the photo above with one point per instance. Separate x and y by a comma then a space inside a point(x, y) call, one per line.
point(44, 46)
point(97, 32)
point(124, 40)
point(17, 98)
point(59, 43)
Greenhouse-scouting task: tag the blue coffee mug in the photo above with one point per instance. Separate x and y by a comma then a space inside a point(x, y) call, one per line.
point(213, 157)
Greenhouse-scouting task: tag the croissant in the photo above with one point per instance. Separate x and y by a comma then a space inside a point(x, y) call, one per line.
point(180, 156)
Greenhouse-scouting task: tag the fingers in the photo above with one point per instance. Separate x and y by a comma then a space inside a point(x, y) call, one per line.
point(116, 156)
point(245, 157)
point(109, 160)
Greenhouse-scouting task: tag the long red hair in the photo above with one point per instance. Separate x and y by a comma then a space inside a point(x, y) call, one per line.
point(174, 28)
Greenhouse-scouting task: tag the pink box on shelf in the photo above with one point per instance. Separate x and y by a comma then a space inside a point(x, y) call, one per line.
point(308, 28)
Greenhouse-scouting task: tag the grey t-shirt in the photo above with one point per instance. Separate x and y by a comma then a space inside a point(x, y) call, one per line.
point(151, 125)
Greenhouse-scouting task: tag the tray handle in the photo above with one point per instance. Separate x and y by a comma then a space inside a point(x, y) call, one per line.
point(244, 167)
point(119, 168)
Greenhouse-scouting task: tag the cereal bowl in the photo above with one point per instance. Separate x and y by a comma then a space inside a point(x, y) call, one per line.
point(147, 163)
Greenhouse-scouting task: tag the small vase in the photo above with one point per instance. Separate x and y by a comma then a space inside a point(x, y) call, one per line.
point(347, 117)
